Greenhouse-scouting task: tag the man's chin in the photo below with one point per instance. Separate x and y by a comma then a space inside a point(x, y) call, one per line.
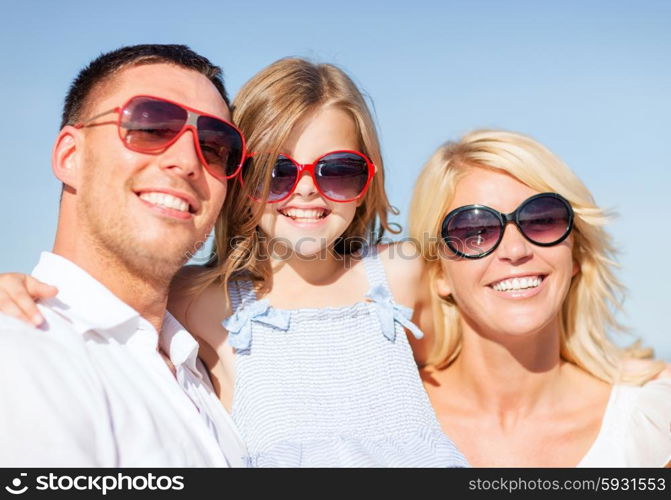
point(156, 260)
point(148, 246)
point(172, 243)
point(169, 249)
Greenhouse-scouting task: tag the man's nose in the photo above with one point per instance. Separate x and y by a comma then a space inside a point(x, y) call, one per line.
point(181, 157)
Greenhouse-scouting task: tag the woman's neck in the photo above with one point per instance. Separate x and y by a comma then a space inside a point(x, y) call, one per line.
point(511, 375)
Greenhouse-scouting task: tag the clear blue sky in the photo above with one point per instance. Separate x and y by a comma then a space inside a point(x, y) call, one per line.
point(590, 79)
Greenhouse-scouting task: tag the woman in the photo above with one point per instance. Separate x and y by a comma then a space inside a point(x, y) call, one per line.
point(521, 372)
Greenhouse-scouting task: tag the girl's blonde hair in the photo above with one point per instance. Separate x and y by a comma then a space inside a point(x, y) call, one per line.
point(267, 109)
point(595, 293)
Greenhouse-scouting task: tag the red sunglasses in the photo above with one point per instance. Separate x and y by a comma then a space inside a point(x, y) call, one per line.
point(340, 176)
point(150, 124)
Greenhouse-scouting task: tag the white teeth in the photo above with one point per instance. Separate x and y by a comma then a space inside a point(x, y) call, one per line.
point(517, 283)
point(301, 213)
point(165, 200)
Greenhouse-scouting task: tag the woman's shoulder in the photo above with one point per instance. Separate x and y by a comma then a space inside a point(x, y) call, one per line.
point(637, 366)
point(649, 409)
point(638, 423)
point(651, 398)
point(665, 373)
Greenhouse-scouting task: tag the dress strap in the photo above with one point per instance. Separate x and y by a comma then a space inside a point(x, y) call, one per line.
point(389, 312)
point(241, 292)
point(377, 277)
point(247, 309)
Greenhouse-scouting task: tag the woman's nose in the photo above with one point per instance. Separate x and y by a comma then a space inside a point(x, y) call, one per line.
point(514, 247)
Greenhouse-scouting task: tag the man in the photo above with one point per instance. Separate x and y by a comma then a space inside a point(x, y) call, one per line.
point(112, 379)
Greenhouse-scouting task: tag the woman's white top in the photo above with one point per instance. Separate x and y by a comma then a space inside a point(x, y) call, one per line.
point(636, 428)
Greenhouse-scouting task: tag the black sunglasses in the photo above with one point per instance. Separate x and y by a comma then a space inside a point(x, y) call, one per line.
point(474, 231)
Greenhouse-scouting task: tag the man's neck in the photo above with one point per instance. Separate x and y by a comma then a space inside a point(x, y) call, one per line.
point(147, 295)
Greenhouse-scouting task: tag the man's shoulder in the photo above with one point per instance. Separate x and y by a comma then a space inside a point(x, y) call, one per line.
point(53, 406)
point(51, 363)
point(10, 324)
point(50, 349)
point(18, 333)
point(55, 330)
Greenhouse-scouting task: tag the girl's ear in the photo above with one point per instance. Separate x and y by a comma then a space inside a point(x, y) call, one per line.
point(66, 156)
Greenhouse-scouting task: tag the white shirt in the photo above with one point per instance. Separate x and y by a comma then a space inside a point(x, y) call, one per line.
point(92, 390)
point(636, 428)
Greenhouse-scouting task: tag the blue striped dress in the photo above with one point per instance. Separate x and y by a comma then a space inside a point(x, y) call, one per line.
point(332, 387)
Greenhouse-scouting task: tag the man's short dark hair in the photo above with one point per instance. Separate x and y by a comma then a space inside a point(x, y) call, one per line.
point(106, 65)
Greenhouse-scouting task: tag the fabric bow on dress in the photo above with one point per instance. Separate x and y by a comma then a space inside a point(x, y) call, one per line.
point(239, 325)
point(389, 313)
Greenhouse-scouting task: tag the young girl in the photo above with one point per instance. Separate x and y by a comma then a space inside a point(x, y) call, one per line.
point(301, 314)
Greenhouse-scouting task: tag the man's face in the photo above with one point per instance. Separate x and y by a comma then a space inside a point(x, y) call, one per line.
point(130, 204)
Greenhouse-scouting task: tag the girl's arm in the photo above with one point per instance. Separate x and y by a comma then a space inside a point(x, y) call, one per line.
point(19, 294)
point(202, 315)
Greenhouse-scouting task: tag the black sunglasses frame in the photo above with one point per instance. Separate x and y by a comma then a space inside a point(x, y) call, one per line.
point(504, 219)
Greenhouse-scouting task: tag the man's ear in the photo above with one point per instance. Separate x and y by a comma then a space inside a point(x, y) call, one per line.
point(66, 156)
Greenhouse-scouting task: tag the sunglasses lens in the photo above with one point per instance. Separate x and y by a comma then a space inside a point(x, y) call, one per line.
point(342, 176)
point(544, 220)
point(282, 179)
point(472, 232)
point(220, 144)
point(282, 176)
point(148, 124)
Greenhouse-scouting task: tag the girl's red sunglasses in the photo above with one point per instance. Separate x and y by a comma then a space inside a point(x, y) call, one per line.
point(340, 176)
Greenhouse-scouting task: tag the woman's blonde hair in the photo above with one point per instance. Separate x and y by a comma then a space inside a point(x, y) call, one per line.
point(267, 109)
point(595, 293)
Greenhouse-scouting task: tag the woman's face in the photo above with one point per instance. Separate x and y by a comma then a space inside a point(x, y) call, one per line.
point(306, 222)
point(530, 307)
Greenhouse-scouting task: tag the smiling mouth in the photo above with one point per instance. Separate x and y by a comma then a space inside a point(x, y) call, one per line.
point(517, 284)
point(168, 201)
point(308, 215)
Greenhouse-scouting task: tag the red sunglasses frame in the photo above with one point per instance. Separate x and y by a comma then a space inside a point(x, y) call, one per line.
point(191, 123)
point(310, 167)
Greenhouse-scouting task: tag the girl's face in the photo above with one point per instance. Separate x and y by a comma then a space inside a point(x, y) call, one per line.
point(306, 222)
point(534, 303)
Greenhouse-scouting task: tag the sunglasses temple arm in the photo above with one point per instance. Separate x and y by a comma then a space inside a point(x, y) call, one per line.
point(99, 115)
